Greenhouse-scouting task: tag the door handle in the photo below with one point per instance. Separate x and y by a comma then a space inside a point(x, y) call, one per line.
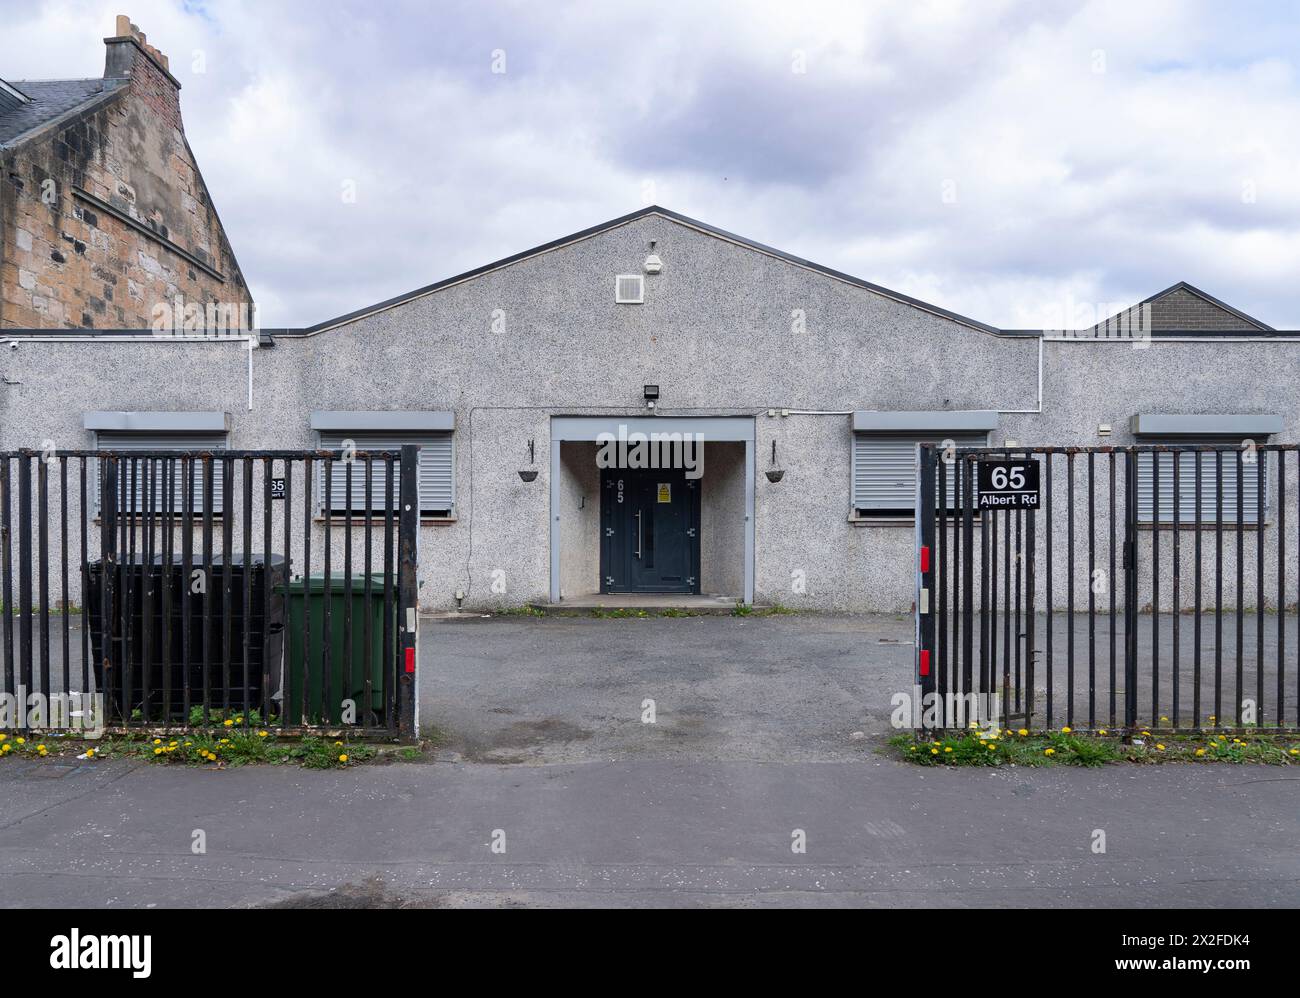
point(638, 533)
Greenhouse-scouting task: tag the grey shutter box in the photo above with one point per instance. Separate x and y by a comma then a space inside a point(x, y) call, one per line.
point(437, 494)
point(1187, 487)
point(884, 468)
point(168, 442)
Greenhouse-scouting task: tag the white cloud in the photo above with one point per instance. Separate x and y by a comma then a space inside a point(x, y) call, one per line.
point(1097, 150)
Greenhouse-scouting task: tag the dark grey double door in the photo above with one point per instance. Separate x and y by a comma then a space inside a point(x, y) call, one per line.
point(650, 531)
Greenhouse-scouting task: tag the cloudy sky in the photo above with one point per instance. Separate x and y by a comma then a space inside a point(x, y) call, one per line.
point(1006, 160)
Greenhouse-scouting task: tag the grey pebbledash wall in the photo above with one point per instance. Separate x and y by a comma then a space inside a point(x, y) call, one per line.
point(510, 348)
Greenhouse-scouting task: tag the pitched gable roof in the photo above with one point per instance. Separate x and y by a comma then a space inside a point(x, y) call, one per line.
point(614, 223)
point(50, 101)
point(1182, 307)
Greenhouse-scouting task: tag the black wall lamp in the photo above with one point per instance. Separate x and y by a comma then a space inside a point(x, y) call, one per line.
point(774, 474)
point(651, 393)
point(530, 474)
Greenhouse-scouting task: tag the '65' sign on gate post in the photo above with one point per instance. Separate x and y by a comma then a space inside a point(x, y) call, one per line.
point(1006, 484)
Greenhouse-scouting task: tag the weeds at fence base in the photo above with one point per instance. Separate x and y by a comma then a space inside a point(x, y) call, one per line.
point(215, 749)
point(1068, 748)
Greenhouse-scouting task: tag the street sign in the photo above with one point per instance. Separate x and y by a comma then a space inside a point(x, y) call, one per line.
point(1005, 484)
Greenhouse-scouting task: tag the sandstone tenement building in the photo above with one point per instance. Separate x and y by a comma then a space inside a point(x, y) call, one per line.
point(105, 221)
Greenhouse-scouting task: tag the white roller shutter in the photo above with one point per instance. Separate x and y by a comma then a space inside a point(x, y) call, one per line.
point(1250, 471)
point(436, 488)
point(884, 469)
point(105, 440)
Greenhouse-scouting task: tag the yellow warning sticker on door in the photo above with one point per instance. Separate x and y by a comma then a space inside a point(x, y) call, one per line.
point(665, 492)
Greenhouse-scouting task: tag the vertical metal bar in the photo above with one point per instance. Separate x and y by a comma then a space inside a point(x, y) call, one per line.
point(1196, 598)
point(1020, 562)
point(166, 575)
point(408, 541)
point(367, 635)
point(1281, 585)
point(1155, 587)
point(1111, 587)
point(43, 571)
point(108, 499)
point(985, 680)
point(1069, 587)
point(286, 674)
point(1130, 587)
point(268, 582)
point(63, 553)
point(1176, 595)
point(390, 638)
point(1261, 470)
point(146, 586)
point(247, 638)
point(351, 685)
point(1048, 530)
point(328, 712)
point(991, 584)
point(1006, 616)
point(1092, 591)
point(959, 501)
point(1218, 587)
point(85, 580)
point(924, 567)
point(206, 604)
point(6, 573)
point(941, 583)
point(1031, 622)
point(187, 582)
point(131, 506)
point(227, 577)
point(308, 481)
point(1241, 583)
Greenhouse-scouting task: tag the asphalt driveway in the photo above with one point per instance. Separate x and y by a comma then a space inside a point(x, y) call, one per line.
point(573, 689)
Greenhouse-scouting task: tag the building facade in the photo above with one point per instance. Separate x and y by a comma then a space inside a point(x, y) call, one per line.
point(105, 221)
point(805, 391)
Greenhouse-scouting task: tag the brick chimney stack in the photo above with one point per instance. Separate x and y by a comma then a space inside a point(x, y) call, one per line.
point(130, 56)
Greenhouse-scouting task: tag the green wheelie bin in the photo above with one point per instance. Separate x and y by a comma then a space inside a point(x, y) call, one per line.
point(348, 672)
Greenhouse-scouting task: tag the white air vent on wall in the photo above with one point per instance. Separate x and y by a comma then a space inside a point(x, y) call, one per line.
point(629, 289)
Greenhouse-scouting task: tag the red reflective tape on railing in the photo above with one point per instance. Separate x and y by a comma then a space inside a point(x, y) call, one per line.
point(410, 660)
point(925, 661)
point(925, 557)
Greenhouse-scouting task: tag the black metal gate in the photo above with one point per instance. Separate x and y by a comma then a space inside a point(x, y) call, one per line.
point(147, 588)
point(1095, 606)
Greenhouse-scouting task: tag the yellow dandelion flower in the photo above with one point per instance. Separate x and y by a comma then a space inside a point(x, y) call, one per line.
point(992, 747)
point(90, 753)
point(3, 737)
point(157, 741)
point(1164, 718)
point(157, 751)
point(343, 758)
point(1160, 746)
point(1050, 751)
point(947, 748)
point(21, 741)
point(261, 734)
point(1066, 730)
point(228, 722)
point(40, 748)
point(1200, 751)
point(1022, 732)
point(1102, 731)
point(934, 751)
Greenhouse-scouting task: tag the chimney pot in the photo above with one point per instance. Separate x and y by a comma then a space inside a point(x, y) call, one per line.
point(123, 26)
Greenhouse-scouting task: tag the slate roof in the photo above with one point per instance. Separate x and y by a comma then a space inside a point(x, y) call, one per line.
point(50, 100)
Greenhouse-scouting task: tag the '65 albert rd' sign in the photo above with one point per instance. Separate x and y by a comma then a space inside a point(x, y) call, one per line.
point(1006, 484)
